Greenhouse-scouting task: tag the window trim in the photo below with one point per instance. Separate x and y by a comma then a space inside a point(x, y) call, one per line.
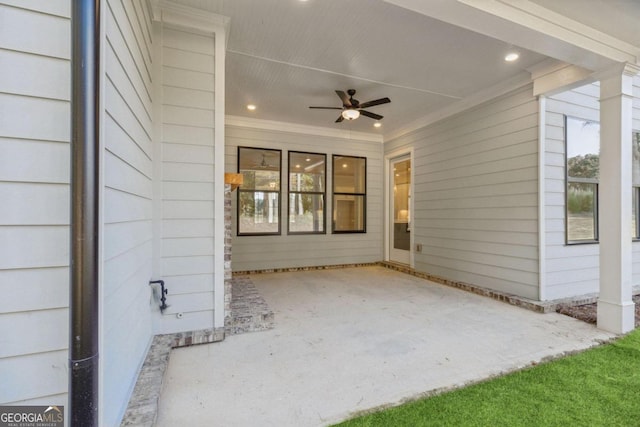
point(323, 194)
point(338, 193)
point(241, 190)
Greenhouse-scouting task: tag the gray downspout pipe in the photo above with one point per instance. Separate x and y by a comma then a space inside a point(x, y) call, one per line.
point(83, 292)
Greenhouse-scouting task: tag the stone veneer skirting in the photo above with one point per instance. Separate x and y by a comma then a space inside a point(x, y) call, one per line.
point(529, 304)
point(142, 409)
point(526, 303)
point(540, 307)
point(248, 313)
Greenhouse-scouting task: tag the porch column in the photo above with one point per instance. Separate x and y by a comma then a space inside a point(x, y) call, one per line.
point(615, 306)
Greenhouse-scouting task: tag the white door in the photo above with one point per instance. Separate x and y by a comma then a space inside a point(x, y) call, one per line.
point(400, 210)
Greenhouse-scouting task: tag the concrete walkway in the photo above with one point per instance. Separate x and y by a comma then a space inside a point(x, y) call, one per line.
point(352, 339)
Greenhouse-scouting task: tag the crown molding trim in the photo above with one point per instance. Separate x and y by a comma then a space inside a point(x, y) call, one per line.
point(271, 125)
point(179, 15)
point(517, 82)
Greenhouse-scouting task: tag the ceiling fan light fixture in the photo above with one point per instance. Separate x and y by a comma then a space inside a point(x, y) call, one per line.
point(350, 114)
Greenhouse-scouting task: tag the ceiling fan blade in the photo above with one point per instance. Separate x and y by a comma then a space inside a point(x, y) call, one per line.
point(372, 115)
point(345, 99)
point(375, 102)
point(328, 108)
point(340, 119)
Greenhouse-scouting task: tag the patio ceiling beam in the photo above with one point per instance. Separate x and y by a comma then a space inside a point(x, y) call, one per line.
point(533, 27)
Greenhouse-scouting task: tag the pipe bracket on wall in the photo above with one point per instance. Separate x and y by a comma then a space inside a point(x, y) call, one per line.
point(163, 294)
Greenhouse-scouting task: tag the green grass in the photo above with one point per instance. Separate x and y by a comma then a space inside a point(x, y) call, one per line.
point(599, 387)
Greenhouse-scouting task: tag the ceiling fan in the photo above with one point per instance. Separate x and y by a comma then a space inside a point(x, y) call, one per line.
point(352, 108)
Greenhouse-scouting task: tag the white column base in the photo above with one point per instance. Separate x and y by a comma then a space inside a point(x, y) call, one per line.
point(618, 318)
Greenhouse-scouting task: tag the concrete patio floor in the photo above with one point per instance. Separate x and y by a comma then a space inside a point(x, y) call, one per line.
point(347, 340)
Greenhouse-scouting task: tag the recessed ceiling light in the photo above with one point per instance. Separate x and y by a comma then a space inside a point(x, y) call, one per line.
point(511, 57)
point(251, 107)
point(344, 165)
point(377, 124)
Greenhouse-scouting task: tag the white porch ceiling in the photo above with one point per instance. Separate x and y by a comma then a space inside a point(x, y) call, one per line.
point(286, 55)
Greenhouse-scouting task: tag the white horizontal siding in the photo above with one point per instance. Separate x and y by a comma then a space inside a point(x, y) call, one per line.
point(47, 375)
point(573, 269)
point(52, 7)
point(186, 193)
point(29, 117)
point(177, 154)
point(34, 200)
point(39, 289)
point(187, 135)
point(266, 252)
point(34, 75)
point(34, 203)
point(570, 269)
point(636, 127)
point(475, 201)
point(50, 337)
point(39, 32)
point(47, 162)
point(128, 202)
point(31, 246)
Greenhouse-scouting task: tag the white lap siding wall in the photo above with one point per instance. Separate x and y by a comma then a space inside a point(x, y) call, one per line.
point(269, 252)
point(573, 269)
point(185, 82)
point(475, 200)
point(34, 201)
point(636, 128)
point(34, 196)
point(128, 200)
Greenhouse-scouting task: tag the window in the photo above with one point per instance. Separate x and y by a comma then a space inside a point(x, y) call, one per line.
point(307, 172)
point(635, 158)
point(259, 195)
point(583, 171)
point(349, 194)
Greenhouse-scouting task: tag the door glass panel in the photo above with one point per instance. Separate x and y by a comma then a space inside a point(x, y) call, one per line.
point(401, 196)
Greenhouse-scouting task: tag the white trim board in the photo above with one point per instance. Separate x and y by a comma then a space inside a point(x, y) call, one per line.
point(509, 85)
point(248, 122)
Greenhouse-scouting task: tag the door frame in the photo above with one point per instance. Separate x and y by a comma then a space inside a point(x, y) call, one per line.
point(388, 158)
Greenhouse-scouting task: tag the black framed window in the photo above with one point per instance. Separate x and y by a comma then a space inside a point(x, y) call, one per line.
point(349, 194)
point(259, 194)
point(635, 158)
point(583, 173)
point(307, 188)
